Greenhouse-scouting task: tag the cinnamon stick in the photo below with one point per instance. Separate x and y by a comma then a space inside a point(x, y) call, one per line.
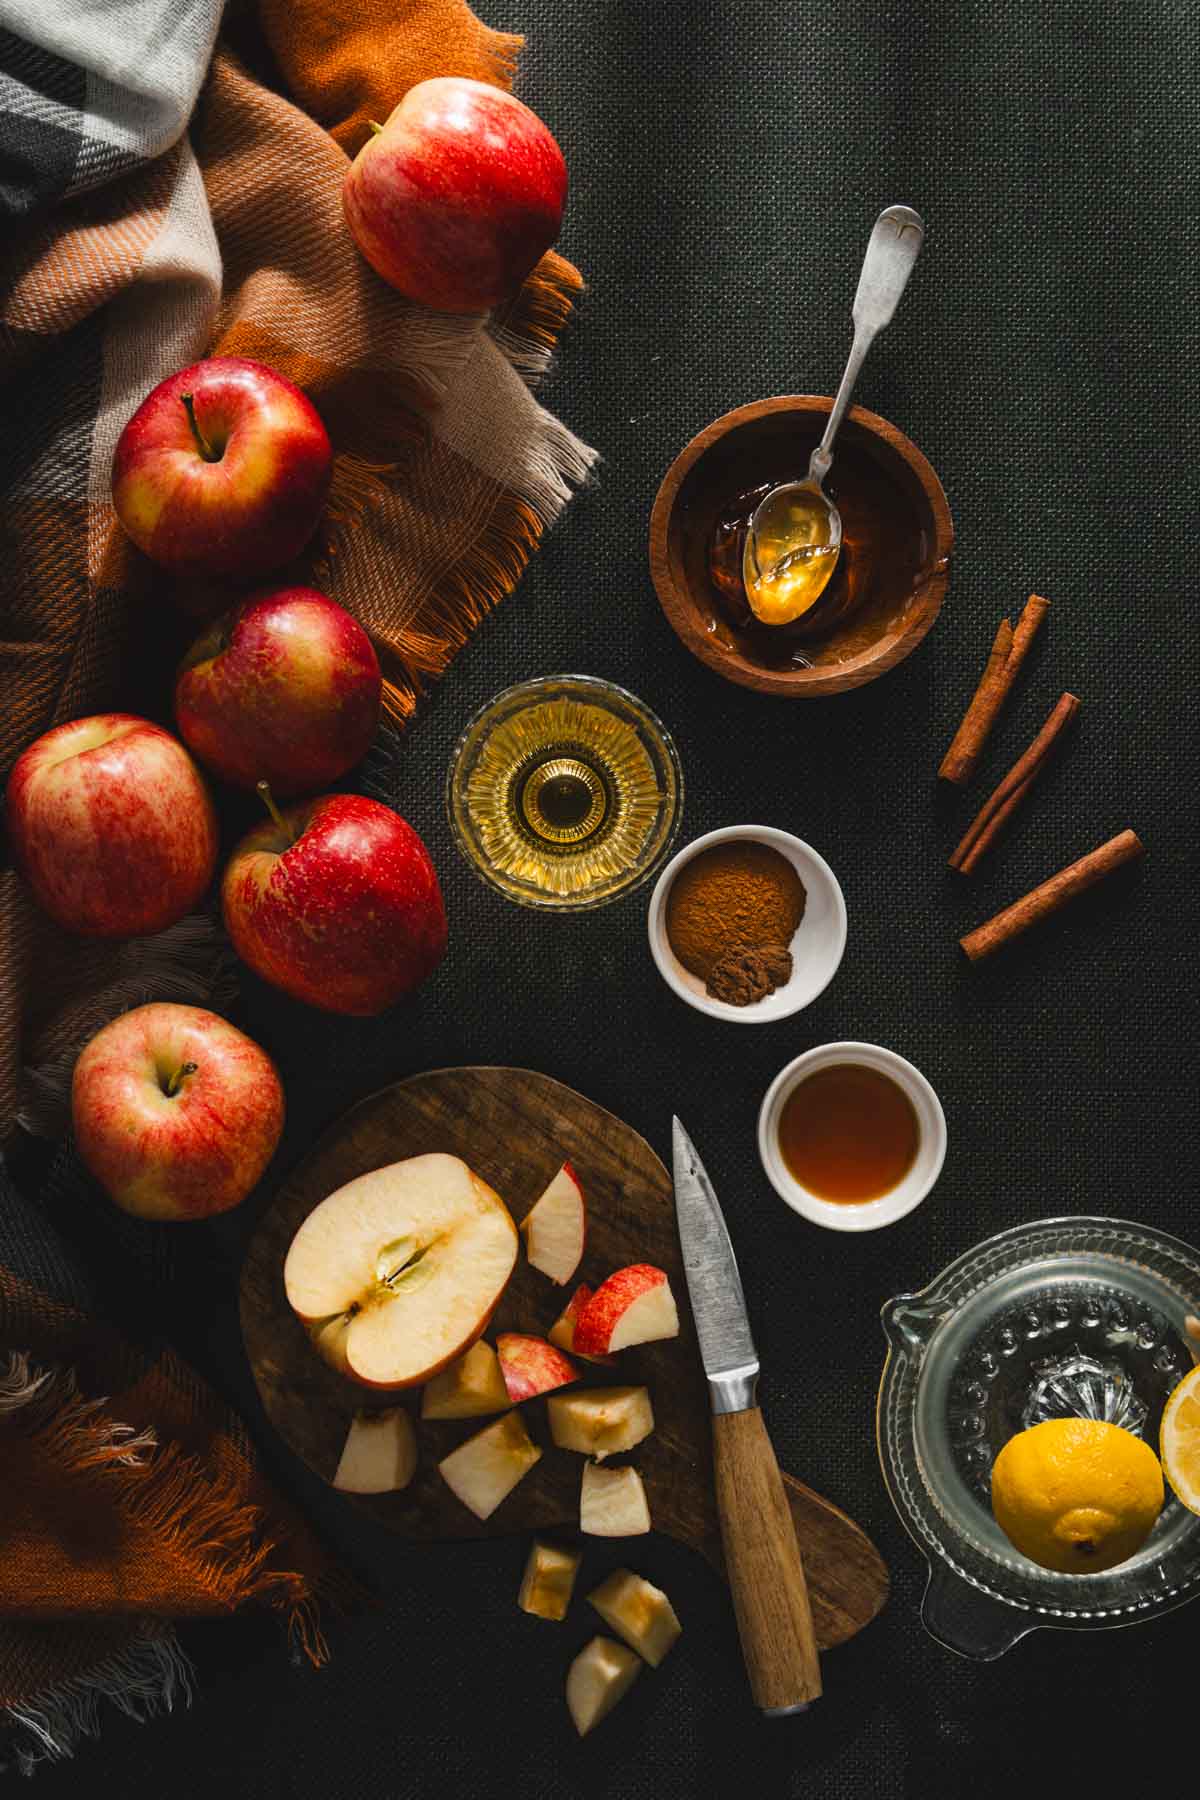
point(996, 811)
point(1052, 895)
point(958, 764)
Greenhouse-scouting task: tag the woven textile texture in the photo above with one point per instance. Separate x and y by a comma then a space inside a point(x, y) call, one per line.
point(727, 159)
point(230, 240)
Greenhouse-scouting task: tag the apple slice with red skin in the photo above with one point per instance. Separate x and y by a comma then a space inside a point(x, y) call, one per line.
point(562, 1332)
point(379, 1455)
point(555, 1228)
point(336, 902)
point(634, 1306)
point(285, 688)
point(414, 1257)
point(224, 469)
point(484, 1470)
point(531, 1366)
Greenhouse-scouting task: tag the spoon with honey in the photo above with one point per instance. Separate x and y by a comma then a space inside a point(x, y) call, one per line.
point(794, 537)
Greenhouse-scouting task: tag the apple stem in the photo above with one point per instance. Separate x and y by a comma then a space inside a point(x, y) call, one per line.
point(375, 127)
point(268, 800)
point(174, 1084)
point(205, 448)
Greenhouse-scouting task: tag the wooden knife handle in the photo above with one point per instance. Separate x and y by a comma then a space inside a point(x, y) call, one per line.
point(766, 1575)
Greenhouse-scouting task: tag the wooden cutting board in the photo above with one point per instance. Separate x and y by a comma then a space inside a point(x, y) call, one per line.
point(514, 1128)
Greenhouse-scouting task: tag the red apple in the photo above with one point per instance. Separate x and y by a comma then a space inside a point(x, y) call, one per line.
point(222, 470)
point(337, 903)
point(531, 1366)
point(458, 196)
point(284, 689)
point(634, 1306)
point(112, 826)
point(176, 1112)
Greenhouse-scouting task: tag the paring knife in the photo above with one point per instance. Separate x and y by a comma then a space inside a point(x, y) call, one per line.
point(766, 1575)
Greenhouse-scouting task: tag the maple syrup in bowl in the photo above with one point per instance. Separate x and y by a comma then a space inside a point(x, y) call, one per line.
point(851, 1136)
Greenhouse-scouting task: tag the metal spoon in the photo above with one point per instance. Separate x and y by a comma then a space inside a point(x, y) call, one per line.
point(795, 534)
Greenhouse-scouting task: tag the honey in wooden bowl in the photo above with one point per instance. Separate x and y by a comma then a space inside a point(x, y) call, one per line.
point(848, 1133)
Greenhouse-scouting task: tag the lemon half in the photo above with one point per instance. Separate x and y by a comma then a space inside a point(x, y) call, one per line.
point(1078, 1495)
point(1179, 1441)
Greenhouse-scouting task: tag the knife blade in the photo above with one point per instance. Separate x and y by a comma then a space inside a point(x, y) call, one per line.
point(762, 1557)
point(718, 1302)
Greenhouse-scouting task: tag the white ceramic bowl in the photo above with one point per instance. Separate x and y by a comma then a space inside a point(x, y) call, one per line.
point(907, 1194)
point(816, 946)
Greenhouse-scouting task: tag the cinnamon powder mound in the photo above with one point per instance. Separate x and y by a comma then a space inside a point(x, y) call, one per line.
point(735, 896)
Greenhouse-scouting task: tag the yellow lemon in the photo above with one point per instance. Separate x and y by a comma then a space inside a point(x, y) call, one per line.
point(1077, 1495)
point(1180, 1440)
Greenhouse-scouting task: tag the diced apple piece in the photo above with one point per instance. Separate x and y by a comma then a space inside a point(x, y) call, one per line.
point(530, 1366)
point(600, 1421)
point(411, 1258)
point(612, 1502)
point(379, 1455)
point(639, 1612)
point(634, 1306)
point(490, 1464)
point(555, 1227)
point(469, 1388)
point(602, 1674)
point(549, 1580)
point(562, 1332)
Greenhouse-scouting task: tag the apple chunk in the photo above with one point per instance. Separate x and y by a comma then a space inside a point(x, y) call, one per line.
point(555, 1227)
point(490, 1464)
point(634, 1306)
point(379, 1455)
point(531, 1366)
point(612, 1502)
point(549, 1580)
point(639, 1612)
point(600, 1421)
point(562, 1332)
point(413, 1257)
point(602, 1674)
point(471, 1386)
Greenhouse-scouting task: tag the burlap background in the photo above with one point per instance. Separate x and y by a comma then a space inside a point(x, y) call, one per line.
point(727, 158)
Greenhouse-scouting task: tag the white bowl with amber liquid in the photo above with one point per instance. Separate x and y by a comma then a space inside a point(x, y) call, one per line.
point(907, 1191)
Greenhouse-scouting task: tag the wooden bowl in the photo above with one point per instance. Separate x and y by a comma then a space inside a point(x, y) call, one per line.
point(895, 560)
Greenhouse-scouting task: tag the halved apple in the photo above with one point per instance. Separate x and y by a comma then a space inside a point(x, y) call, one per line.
point(549, 1580)
point(467, 1388)
point(600, 1421)
point(555, 1227)
point(531, 1366)
point(639, 1612)
point(634, 1306)
point(379, 1455)
point(490, 1464)
point(562, 1332)
point(602, 1673)
point(612, 1502)
point(410, 1260)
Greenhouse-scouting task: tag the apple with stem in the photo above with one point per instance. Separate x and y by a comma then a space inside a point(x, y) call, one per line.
point(336, 902)
point(176, 1112)
point(457, 197)
point(111, 826)
point(403, 1266)
point(224, 469)
point(285, 688)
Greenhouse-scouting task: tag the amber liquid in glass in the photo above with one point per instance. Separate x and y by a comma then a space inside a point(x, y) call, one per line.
point(848, 1133)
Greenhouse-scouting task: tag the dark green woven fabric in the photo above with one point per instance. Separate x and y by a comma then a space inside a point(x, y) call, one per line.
point(727, 159)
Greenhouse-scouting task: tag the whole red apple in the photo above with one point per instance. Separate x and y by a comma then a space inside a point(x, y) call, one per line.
point(112, 826)
point(284, 689)
point(458, 196)
point(337, 903)
point(222, 470)
point(176, 1112)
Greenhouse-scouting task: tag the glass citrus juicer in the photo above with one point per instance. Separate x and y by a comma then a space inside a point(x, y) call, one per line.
point(564, 792)
point(1073, 1316)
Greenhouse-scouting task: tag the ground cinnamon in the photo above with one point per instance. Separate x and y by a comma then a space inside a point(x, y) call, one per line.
point(1008, 652)
point(1052, 895)
point(739, 895)
point(1000, 805)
